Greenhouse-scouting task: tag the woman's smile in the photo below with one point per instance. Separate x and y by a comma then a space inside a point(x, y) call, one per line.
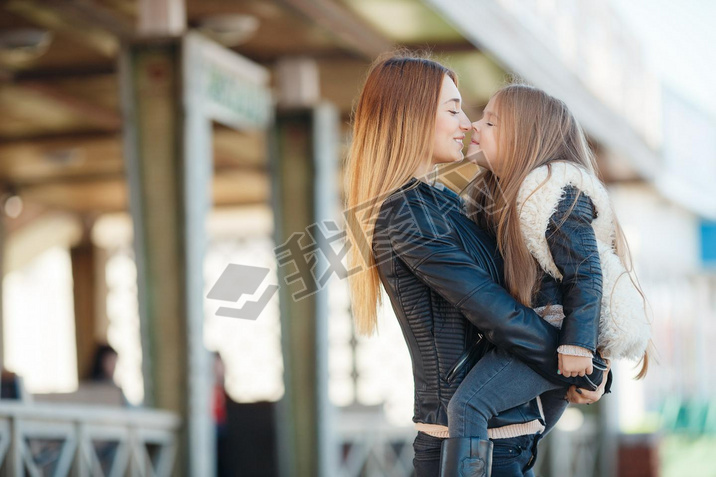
point(451, 124)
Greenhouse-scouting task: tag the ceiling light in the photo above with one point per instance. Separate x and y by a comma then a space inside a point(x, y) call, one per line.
point(229, 30)
point(12, 204)
point(23, 45)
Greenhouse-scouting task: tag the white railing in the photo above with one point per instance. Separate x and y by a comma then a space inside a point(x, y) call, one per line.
point(369, 446)
point(83, 440)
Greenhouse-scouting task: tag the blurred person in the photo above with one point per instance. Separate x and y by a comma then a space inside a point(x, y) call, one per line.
point(104, 364)
point(438, 267)
point(103, 389)
point(12, 386)
point(219, 413)
point(101, 386)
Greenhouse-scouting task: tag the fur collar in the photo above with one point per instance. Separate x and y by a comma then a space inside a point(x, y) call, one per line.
point(539, 196)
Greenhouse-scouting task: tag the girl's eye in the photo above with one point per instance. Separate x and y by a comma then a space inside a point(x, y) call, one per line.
point(489, 124)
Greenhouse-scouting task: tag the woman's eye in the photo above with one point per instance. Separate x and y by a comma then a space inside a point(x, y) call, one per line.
point(453, 112)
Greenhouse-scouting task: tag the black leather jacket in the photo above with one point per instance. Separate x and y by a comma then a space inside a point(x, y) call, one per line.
point(573, 247)
point(438, 268)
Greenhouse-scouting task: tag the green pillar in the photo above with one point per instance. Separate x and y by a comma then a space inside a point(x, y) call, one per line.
point(168, 201)
point(304, 162)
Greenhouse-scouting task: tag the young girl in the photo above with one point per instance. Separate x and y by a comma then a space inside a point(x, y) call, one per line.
point(563, 251)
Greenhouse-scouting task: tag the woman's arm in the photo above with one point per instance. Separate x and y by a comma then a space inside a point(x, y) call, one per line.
point(425, 242)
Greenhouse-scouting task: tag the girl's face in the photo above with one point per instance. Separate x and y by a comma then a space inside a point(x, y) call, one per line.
point(483, 146)
point(451, 124)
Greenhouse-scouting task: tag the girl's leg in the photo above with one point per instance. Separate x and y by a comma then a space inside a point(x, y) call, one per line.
point(553, 406)
point(498, 382)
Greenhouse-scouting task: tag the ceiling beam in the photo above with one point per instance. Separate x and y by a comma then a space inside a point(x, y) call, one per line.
point(96, 26)
point(99, 177)
point(94, 14)
point(105, 118)
point(342, 25)
point(62, 137)
point(60, 74)
point(109, 194)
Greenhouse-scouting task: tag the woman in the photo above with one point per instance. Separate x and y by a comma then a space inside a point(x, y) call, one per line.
point(436, 265)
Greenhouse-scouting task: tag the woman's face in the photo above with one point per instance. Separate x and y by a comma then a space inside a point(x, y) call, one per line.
point(483, 145)
point(451, 124)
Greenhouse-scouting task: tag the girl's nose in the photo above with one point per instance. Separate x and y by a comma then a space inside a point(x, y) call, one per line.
point(475, 126)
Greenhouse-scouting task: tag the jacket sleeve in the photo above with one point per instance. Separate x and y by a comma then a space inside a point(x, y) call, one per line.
point(573, 245)
point(425, 242)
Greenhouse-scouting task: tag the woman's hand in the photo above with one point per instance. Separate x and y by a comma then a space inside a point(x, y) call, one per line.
point(577, 395)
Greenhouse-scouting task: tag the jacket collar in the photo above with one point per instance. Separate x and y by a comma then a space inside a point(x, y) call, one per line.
point(438, 190)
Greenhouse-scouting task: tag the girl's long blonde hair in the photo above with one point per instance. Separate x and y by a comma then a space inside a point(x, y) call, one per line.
point(393, 130)
point(534, 129)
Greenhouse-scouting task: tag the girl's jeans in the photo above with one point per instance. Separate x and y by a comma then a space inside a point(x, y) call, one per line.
point(500, 381)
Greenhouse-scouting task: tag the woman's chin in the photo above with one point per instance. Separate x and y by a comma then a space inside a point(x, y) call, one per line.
point(451, 160)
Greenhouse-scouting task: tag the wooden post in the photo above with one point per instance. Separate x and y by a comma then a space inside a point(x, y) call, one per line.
point(84, 293)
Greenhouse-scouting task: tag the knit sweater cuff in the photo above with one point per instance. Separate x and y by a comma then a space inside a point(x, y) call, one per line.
point(572, 350)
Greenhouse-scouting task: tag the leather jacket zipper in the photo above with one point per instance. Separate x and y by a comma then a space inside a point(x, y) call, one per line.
point(463, 360)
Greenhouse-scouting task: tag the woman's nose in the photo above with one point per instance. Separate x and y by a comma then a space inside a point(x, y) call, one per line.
point(464, 122)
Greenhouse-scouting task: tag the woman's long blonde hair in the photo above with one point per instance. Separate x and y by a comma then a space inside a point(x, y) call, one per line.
point(533, 129)
point(393, 130)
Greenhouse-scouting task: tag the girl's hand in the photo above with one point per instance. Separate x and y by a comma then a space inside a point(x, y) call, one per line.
point(577, 395)
point(573, 366)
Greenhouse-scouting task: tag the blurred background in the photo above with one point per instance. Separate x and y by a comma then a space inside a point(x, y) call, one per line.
point(145, 145)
